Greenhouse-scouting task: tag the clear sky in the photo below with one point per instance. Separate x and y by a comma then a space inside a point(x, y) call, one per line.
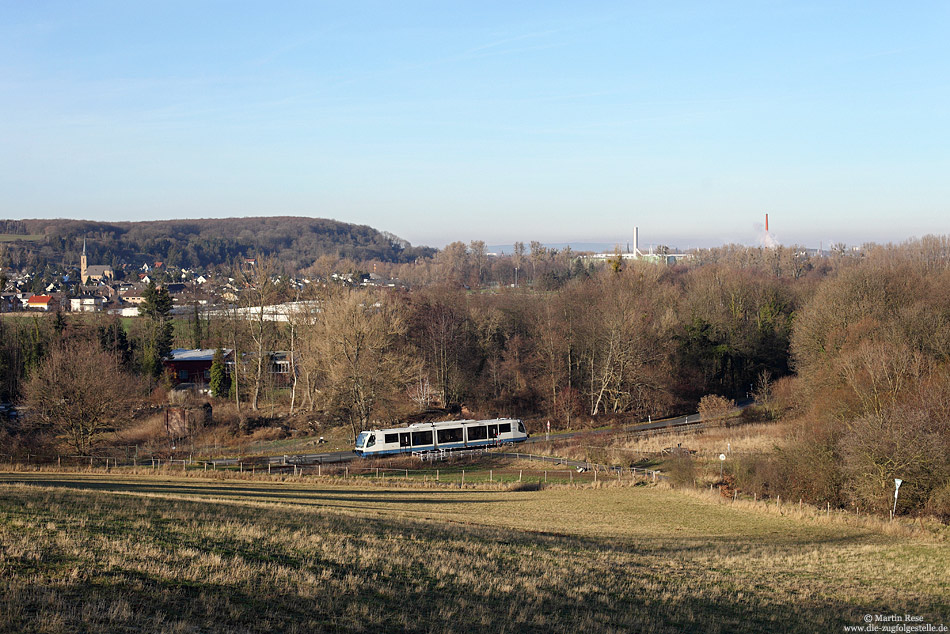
point(495, 121)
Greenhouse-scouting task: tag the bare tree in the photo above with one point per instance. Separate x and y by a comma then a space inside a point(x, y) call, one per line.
point(359, 340)
point(78, 392)
point(260, 293)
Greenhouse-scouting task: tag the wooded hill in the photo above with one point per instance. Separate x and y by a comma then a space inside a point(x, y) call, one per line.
point(295, 241)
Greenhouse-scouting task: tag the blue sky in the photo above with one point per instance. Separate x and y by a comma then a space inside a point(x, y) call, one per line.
point(489, 121)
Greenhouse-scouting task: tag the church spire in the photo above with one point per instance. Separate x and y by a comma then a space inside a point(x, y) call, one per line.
point(83, 263)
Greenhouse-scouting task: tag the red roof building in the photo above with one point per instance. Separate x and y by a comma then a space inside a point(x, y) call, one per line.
point(41, 302)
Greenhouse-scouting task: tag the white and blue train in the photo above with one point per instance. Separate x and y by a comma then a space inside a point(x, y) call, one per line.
point(456, 434)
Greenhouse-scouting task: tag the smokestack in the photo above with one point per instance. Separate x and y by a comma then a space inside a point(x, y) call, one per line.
point(636, 241)
point(766, 223)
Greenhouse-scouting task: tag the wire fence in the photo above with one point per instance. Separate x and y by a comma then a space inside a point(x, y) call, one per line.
point(571, 471)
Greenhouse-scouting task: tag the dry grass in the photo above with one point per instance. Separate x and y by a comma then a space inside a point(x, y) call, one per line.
point(624, 448)
point(760, 437)
point(98, 552)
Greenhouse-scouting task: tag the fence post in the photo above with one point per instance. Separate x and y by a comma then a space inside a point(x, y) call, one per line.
point(436, 475)
point(319, 468)
point(346, 472)
point(463, 477)
point(545, 475)
point(407, 474)
point(59, 461)
point(520, 473)
point(268, 467)
point(491, 476)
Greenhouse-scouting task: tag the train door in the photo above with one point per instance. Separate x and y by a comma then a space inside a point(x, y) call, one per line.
point(493, 433)
point(404, 440)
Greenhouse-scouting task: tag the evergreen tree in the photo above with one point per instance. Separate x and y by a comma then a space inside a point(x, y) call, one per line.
point(112, 339)
point(220, 383)
point(59, 323)
point(158, 339)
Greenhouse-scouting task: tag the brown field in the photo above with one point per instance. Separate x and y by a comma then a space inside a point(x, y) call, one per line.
point(111, 552)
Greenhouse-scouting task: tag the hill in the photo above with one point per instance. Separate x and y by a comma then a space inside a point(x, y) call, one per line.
point(294, 241)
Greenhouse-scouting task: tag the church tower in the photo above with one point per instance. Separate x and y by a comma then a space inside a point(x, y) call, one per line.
point(83, 264)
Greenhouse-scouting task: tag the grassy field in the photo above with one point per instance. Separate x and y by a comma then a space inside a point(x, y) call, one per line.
point(97, 552)
point(13, 237)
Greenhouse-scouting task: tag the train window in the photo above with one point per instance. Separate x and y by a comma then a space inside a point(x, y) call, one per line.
point(422, 438)
point(371, 441)
point(478, 432)
point(404, 439)
point(450, 435)
point(391, 438)
point(504, 428)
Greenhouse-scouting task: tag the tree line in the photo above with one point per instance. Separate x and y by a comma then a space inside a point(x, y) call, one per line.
point(864, 339)
point(200, 243)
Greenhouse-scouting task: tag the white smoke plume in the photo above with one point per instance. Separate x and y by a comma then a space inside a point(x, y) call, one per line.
point(766, 238)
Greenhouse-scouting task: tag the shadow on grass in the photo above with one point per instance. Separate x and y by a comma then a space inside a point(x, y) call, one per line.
point(305, 570)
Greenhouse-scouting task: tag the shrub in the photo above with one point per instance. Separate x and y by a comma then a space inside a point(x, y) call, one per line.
point(712, 407)
point(755, 414)
point(938, 504)
point(681, 470)
point(903, 444)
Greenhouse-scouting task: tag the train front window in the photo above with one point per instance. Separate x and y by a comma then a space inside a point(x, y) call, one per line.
point(521, 427)
point(361, 439)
